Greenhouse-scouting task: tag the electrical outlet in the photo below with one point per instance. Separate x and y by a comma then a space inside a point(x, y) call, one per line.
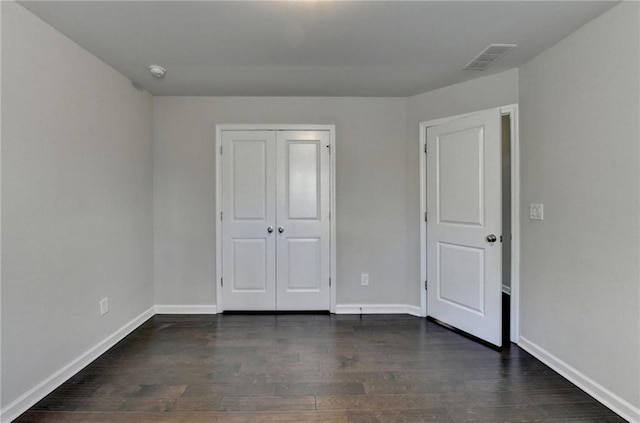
point(364, 279)
point(104, 306)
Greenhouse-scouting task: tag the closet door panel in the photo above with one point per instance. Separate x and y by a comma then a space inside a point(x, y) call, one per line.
point(303, 195)
point(248, 205)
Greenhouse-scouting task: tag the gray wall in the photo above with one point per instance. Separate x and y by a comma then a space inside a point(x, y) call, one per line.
point(377, 176)
point(579, 105)
point(495, 90)
point(76, 206)
point(371, 195)
point(377, 191)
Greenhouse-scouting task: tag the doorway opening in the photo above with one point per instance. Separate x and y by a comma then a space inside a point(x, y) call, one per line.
point(506, 227)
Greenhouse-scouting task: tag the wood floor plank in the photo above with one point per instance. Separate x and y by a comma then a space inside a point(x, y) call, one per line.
point(305, 388)
point(264, 403)
point(434, 415)
point(377, 402)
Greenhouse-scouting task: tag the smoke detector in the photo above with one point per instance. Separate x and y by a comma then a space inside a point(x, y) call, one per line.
point(157, 71)
point(489, 56)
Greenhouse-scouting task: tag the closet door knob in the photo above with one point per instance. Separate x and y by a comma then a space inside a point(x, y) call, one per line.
point(280, 229)
point(270, 229)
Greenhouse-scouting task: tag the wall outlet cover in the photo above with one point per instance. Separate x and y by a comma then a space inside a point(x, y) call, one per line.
point(104, 306)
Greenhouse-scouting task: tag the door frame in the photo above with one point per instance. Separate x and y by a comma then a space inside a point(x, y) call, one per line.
point(332, 198)
point(510, 110)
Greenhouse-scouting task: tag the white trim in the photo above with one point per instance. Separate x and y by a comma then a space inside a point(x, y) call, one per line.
point(186, 309)
point(512, 111)
point(218, 195)
point(273, 127)
point(514, 290)
point(35, 394)
point(378, 309)
point(332, 224)
point(619, 405)
point(422, 145)
point(216, 217)
point(0, 211)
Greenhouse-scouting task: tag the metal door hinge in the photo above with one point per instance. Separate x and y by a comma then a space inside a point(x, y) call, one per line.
point(220, 215)
point(425, 286)
point(500, 238)
point(221, 282)
point(329, 281)
point(425, 148)
point(425, 216)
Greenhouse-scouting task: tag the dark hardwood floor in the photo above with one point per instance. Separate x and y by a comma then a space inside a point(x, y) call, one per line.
point(312, 368)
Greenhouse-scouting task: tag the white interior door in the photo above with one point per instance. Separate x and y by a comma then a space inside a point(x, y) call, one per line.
point(248, 220)
point(303, 237)
point(275, 220)
point(464, 250)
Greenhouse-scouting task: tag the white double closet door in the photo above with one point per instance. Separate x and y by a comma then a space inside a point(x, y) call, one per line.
point(275, 220)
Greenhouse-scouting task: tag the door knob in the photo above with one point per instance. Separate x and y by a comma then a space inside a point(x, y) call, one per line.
point(280, 229)
point(270, 229)
point(491, 238)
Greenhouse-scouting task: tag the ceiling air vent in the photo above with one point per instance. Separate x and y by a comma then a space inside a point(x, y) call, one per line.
point(489, 56)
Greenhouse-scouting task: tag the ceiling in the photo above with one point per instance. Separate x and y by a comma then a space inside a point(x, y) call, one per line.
point(310, 48)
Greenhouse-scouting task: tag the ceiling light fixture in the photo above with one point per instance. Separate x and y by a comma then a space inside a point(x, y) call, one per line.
point(157, 71)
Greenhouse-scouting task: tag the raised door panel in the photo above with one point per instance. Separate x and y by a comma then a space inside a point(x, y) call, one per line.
point(249, 180)
point(304, 269)
point(460, 177)
point(461, 286)
point(250, 265)
point(303, 182)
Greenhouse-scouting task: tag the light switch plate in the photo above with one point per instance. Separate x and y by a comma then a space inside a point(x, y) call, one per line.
point(536, 211)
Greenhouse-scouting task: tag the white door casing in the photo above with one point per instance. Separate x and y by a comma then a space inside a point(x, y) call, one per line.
point(275, 200)
point(464, 209)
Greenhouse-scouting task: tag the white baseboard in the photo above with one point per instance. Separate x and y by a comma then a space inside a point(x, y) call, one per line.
point(186, 309)
point(377, 309)
point(620, 406)
point(44, 388)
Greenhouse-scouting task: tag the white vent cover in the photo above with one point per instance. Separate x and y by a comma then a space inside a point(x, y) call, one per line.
point(488, 56)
